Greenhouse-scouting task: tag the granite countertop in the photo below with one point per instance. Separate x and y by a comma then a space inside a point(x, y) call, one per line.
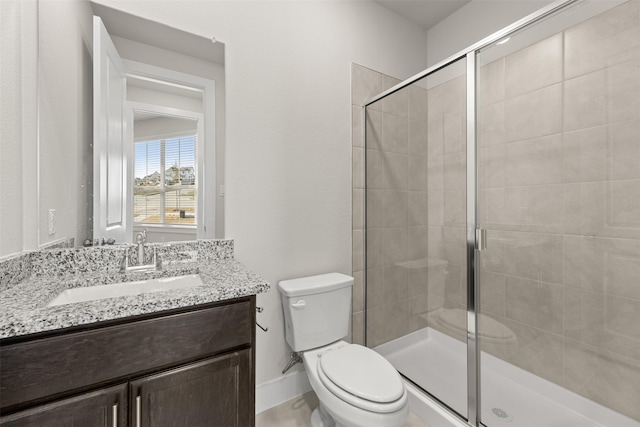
point(23, 307)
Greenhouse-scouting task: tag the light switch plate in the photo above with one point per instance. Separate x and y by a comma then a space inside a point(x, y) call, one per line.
point(52, 221)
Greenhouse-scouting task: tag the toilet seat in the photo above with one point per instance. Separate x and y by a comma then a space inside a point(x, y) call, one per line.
point(362, 378)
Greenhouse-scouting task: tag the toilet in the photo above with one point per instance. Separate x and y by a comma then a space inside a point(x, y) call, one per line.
point(356, 387)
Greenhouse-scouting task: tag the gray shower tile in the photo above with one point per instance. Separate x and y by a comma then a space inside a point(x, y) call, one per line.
point(454, 207)
point(418, 103)
point(584, 154)
point(535, 303)
point(396, 317)
point(605, 209)
point(398, 102)
point(455, 171)
point(624, 150)
point(624, 90)
point(492, 166)
point(585, 101)
point(602, 40)
point(454, 127)
point(436, 207)
point(395, 171)
point(374, 130)
point(418, 243)
point(375, 257)
point(357, 219)
point(534, 114)
point(601, 320)
point(435, 137)
point(358, 250)
point(357, 328)
point(447, 98)
point(375, 287)
point(533, 256)
point(417, 208)
point(394, 208)
point(365, 84)
point(531, 208)
point(534, 67)
point(358, 167)
point(396, 284)
point(491, 125)
point(534, 161)
point(356, 126)
point(604, 377)
point(395, 133)
point(418, 138)
point(395, 245)
point(491, 83)
point(598, 264)
point(373, 174)
point(358, 291)
point(417, 173)
point(492, 293)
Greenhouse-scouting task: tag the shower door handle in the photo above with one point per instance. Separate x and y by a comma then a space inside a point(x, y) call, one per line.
point(481, 239)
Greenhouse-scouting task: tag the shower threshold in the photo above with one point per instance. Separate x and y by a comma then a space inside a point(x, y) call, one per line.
point(510, 396)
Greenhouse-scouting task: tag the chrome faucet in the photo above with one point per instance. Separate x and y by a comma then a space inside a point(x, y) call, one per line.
point(141, 259)
point(141, 239)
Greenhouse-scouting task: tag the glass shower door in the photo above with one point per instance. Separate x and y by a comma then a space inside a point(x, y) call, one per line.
point(415, 232)
point(559, 195)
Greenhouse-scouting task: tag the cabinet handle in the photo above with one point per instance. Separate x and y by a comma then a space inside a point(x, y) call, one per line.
point(115, 415)
point(138, 411)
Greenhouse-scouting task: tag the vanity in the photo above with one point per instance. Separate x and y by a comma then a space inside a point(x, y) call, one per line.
point(180, 357)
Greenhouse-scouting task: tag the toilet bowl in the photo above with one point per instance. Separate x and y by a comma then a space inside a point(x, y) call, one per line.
point(356, 387)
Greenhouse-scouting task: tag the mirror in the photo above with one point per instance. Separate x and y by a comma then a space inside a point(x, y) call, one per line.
point(172, 78)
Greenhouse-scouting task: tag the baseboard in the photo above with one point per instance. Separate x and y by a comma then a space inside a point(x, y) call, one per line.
point(279, 390)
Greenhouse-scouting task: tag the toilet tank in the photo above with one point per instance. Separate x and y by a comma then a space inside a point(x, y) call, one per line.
point(317, 309)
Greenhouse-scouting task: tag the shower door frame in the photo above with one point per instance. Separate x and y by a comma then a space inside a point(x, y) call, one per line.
point(475, 239)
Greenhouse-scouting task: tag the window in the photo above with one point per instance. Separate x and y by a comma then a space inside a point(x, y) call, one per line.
point(164, 188)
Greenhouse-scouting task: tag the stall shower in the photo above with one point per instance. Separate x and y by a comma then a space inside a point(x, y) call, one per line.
point(499, 215)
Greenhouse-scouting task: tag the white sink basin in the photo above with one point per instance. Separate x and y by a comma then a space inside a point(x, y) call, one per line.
point(91, 293)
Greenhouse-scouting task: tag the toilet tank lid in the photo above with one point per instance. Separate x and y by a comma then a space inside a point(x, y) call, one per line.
point(314, 284)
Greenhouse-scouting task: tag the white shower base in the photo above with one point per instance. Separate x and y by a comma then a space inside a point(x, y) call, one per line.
point(437, 363)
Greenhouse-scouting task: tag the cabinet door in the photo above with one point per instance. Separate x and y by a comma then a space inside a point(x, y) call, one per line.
point(101, 408)
point(214, 392)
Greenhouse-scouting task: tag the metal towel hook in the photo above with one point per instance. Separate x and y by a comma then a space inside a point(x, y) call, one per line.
point(260, 310)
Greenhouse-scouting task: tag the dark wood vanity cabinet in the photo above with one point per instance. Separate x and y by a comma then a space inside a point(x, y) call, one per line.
point(187, 368)
point(104, 407)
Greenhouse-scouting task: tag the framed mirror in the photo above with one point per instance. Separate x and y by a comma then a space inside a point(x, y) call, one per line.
point(87, 186)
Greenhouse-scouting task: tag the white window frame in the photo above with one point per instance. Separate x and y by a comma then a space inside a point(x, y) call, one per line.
point(162, 185)
point(206, 139)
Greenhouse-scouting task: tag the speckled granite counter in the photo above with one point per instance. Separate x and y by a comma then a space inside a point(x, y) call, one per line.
point(23, 302)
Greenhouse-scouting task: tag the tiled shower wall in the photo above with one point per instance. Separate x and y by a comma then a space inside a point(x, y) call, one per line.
point(559, 177)
point(396, 185)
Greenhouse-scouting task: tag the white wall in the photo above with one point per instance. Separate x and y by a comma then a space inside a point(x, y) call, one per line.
point(18, 144)
point(288, 177)
point(473, 22)
point(65, 123)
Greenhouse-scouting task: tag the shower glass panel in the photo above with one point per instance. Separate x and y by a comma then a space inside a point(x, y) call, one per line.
point(558, 119)
point(415, 233)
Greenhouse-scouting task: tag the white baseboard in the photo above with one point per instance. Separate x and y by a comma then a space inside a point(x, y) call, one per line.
point(279, 390)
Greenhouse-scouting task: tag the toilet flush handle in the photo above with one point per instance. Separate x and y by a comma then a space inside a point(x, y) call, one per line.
point(299, 304)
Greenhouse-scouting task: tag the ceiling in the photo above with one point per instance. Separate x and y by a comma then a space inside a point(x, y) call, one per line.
point(425, 13)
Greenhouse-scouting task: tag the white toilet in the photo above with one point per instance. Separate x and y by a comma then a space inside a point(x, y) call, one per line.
point(356, 386)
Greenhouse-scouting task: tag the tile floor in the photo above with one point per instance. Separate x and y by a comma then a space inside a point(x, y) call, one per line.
point(297, 411)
